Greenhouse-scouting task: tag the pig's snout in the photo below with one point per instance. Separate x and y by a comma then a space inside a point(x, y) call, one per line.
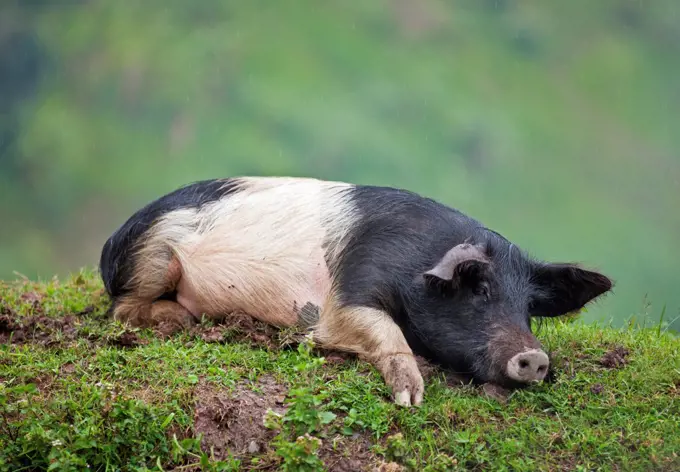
point(529, 366)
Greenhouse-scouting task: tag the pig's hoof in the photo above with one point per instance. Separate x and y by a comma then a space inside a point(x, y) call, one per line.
point(402, 375)
point(403, 398)
point(409, 397)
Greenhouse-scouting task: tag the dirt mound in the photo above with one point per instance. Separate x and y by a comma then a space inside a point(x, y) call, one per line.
point(348, 454)
point(615, 358)
point(240, 327)
point(235, 327)
point(233, 421)
point(52, 331)
point(36, 329)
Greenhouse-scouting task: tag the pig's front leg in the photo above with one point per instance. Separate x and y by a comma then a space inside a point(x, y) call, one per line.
point(373, 335)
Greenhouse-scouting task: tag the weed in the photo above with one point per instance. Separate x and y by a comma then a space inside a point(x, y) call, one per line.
point(191, 448)
point(305, 415)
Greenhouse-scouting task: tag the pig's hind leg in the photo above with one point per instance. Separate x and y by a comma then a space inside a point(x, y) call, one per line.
point(373, 335)
point(144, 306)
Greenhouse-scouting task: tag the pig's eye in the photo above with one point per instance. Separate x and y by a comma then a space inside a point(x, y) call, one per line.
point(483, 291)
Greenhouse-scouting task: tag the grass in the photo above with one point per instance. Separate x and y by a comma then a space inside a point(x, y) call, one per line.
point(81, 392)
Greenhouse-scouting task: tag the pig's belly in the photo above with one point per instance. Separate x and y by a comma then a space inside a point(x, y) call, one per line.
point(283, 294)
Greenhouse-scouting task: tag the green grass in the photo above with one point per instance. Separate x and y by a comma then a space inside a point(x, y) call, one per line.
point(80, 392)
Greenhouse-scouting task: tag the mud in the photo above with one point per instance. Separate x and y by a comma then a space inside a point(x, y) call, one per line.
point(615, 358)
point(236, 327)
point(50, 331)
point(127, 339)
point(38, 329)
point(348, 454)
point(233, 421)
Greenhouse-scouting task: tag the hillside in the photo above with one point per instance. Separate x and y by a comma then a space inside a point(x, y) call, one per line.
point(555, 123)
point(79, 392)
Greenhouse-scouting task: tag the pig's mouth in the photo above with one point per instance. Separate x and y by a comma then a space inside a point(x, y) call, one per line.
point(524, 369)
point(482, 370)
point(514, 358)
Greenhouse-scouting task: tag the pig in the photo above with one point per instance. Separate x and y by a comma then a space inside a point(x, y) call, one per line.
point(381, 272)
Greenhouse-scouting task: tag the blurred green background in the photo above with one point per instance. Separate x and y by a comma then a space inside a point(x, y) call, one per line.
point(554, 122)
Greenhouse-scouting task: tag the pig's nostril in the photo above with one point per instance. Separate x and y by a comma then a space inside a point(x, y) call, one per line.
point(528, 366)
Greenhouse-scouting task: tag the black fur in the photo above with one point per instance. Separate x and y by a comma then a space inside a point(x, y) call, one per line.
point(115, 263)
point(400, 235)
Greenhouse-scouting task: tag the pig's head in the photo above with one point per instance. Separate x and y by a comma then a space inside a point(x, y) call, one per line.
point(473, 308)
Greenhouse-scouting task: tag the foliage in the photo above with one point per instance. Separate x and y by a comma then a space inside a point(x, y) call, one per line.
point(84, 397)
point(90, 427)
point(304, 416)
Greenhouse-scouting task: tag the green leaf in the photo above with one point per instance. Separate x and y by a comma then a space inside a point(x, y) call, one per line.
point(326, 417)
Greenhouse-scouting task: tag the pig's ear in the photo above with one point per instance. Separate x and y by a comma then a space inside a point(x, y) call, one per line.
point(464, 264)
point(565, 288)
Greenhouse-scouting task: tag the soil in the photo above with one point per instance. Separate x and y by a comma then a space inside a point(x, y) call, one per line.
point(38, 329)
point(348, 454)
point(49, 331)
point(615, 358)
point(127, 339)
point(232, 421)
point(237, 327)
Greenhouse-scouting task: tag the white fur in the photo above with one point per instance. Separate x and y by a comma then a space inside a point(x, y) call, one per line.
point(259, 250)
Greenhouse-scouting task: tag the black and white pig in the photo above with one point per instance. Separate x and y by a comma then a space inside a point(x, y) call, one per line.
point(380, 272)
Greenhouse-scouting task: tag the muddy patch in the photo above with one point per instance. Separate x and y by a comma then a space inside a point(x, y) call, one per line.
point(52, 331)
point(615, 358)
point(237, 327)
point(37, 329)
point(33, 298)
point(231, 421)
point(243, 328)
point(348, 454)
point(127, 339)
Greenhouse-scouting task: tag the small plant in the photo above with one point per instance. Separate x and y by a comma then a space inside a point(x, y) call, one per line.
point(441, 463)
point(10, 406)
point(301, 455)
point(396, 448)
point(305, 415)
point(352, 419)
point(191, 447)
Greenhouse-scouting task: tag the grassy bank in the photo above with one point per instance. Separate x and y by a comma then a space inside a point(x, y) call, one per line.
point(79, 392)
